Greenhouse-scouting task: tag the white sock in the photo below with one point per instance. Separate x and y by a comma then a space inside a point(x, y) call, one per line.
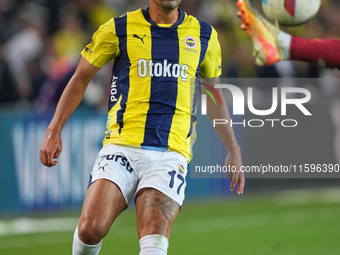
point(284, 40)
point(153, 245)
point(79, 248)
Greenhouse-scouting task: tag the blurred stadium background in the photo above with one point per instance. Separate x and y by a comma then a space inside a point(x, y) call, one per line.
point(40, 43)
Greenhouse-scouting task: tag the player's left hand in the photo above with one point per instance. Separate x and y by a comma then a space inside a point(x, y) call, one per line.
point(237, 176)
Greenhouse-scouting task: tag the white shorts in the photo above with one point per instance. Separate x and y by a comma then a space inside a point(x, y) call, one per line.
point(133, 169)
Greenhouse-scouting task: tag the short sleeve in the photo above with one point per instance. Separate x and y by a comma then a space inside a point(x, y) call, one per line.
point(211, 64)
point(104, 46)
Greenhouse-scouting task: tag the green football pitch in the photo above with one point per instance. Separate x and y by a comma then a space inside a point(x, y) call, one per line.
point(239, 226)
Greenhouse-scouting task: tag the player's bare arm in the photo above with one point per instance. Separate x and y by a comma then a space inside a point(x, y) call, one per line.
point(228, 138)
point(70, 99)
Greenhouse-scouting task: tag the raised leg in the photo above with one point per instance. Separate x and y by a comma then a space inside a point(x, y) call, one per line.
point(103, 203)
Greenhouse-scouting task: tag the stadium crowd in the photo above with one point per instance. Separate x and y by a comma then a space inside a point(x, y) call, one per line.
point(41, 40)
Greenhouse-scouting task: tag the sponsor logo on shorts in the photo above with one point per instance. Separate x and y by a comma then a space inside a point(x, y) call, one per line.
point(181, 169)
point(121, 160)
point(103, 167)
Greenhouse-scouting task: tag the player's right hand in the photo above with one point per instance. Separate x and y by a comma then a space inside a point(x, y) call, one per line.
point(50, 149)
point(236, 177)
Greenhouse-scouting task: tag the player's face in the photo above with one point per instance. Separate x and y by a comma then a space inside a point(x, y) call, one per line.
point(167, 4)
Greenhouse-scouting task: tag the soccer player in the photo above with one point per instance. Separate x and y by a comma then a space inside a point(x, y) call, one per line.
point(151, 122)
point(272, 45)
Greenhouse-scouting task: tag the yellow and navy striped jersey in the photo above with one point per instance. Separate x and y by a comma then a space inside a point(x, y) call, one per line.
point(153, 93)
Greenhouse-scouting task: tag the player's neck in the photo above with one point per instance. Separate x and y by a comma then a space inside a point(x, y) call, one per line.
point(162, 16)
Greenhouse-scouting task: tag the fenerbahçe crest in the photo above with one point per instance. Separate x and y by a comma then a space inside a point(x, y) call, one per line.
point(190, 42)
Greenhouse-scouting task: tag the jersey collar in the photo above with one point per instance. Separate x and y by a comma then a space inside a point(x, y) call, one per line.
point(175, 25)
